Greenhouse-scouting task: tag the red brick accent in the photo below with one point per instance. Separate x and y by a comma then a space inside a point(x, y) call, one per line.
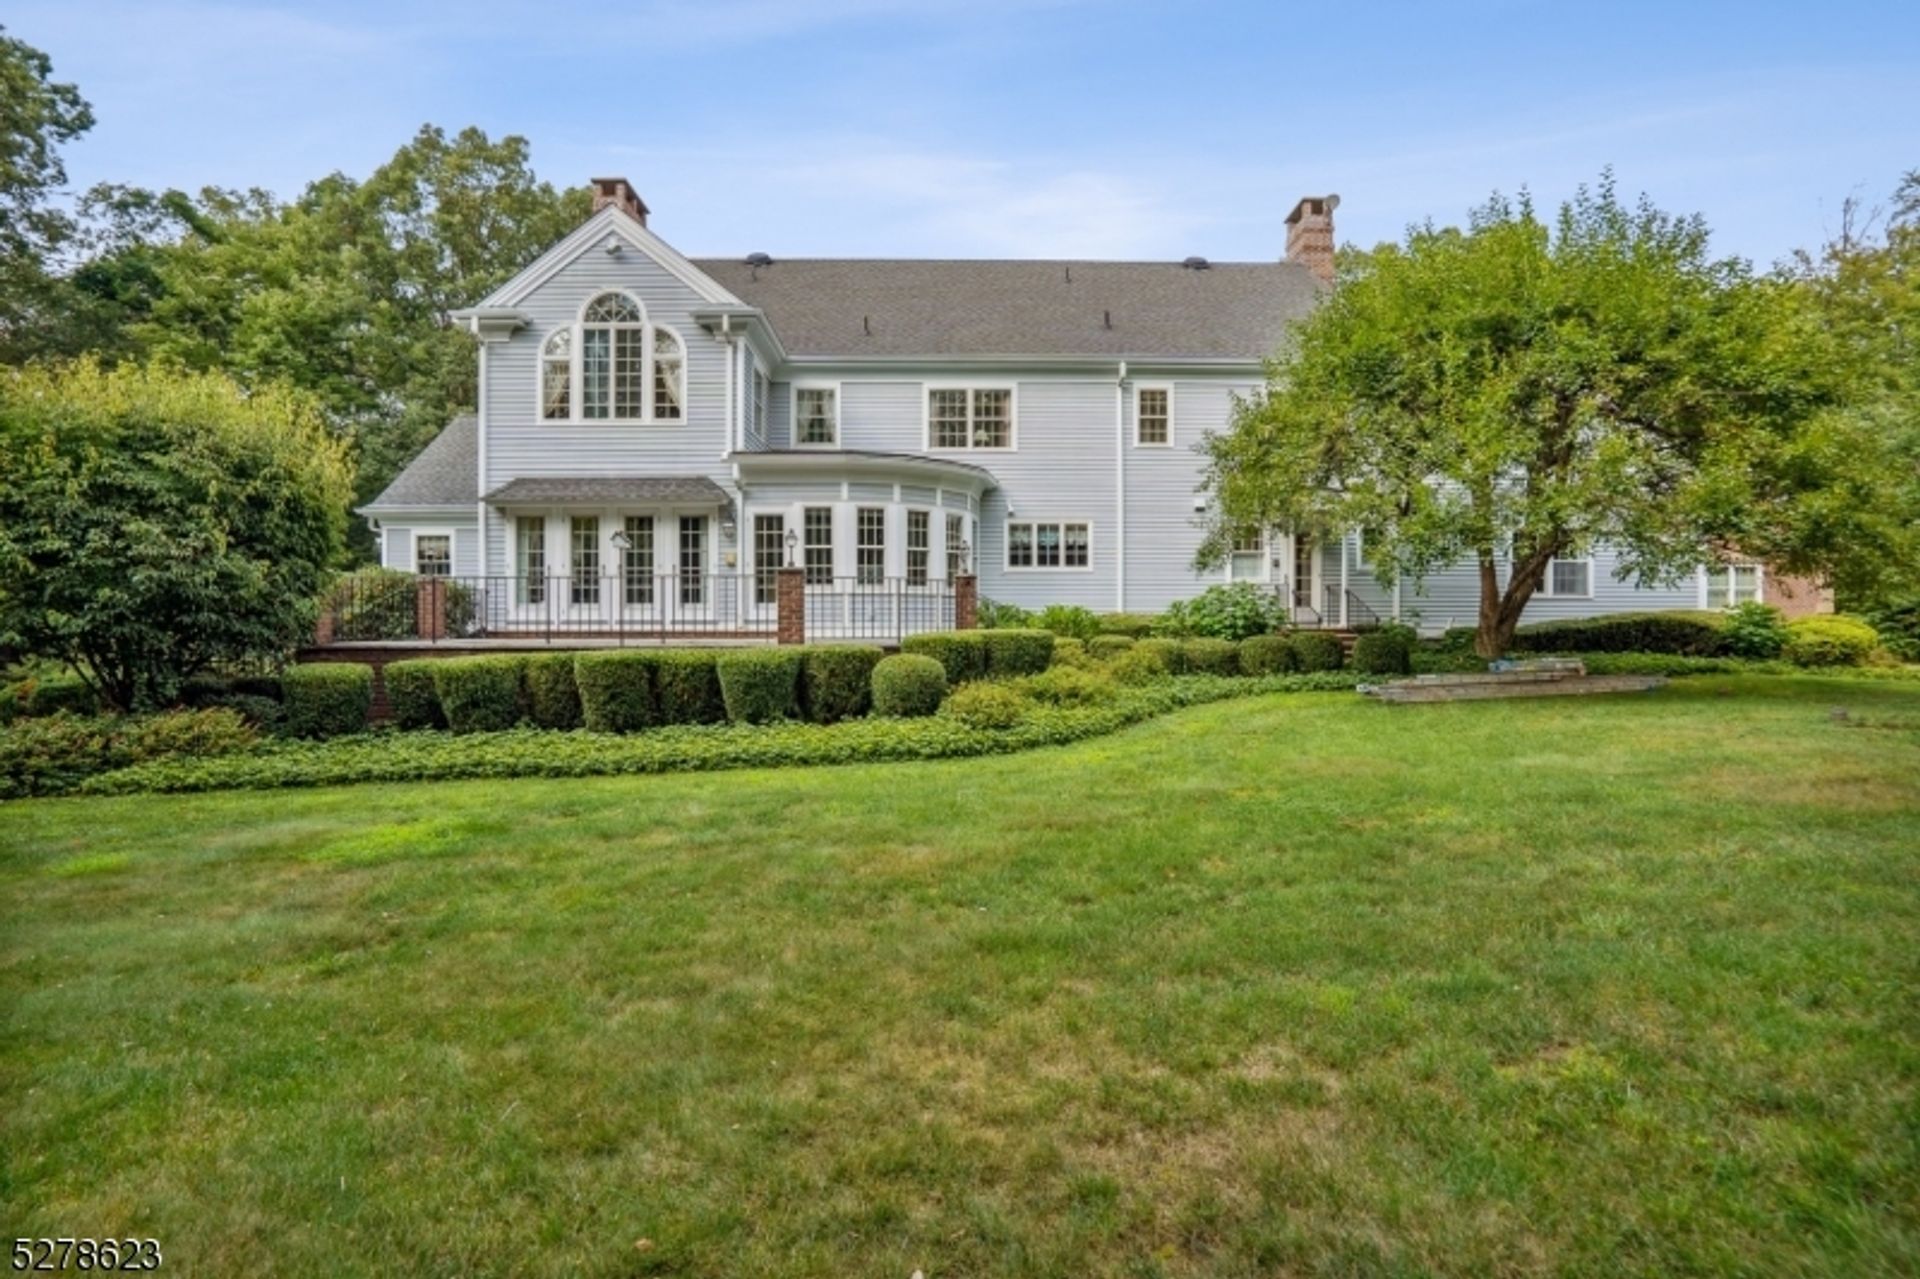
point(790, 605)
point(1796, 596)
point(966, 602)
point(1310, 234)
point(429, 608)
point(323, 626)
point(619, 193)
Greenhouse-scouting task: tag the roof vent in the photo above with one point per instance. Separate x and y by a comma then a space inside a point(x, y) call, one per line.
point(1196, 263)
point(759, 259)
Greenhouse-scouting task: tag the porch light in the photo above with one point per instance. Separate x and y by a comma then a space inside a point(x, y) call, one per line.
point(727, 523)
point(966, 555)
point(621, 540)
point(793, 540)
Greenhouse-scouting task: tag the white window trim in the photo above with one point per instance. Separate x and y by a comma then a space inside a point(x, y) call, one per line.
point(575, 383)
point(793, 414)
point(1759, 581)
point(1013, 416)
point(1138, 387)
point(1545, 590)
point(419, 531)
point(1006, 544)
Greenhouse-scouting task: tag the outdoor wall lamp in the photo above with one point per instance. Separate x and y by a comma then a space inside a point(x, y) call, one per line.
point(621, 541)
point(793, 540)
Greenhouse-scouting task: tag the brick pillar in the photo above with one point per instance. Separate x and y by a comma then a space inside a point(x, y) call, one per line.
point(429, 608)
point(323, 626)
point(966, 602)
point(790, 603)
point(1310, 234)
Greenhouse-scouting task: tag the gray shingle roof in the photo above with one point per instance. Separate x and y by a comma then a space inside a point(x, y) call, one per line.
point(687, 490)
point(879, 307)
point(446, 473)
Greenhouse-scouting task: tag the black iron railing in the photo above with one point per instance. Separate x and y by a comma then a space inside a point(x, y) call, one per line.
point(877, 608)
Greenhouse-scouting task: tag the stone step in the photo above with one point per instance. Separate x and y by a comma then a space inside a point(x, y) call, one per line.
point(1414, 691)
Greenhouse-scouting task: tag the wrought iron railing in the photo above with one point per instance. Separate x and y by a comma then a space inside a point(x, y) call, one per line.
point(877, 608)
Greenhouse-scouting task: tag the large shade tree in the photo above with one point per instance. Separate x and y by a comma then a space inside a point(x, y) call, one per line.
point(38, 115)
point(1519, 390)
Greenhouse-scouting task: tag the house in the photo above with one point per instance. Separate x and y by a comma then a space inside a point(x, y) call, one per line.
point(657, 435)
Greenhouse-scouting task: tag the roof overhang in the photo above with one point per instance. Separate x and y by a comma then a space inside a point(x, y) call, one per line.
point(492, 323)
point(610, 490)
point(845, 463)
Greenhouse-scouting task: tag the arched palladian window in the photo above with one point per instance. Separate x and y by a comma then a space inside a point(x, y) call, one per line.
point(613, 366)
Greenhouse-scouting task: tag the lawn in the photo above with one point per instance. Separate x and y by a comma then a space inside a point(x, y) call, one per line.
point(1294, 985)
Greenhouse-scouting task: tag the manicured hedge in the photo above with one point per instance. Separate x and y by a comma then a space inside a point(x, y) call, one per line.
point(1688, 633)
point(1316, 651)
point(552, 697)
point(1829, 641)
point(327, 699)
point(908, 685)
point(1068, 651)
point(1170, 653)
point(1142, 664)
point(836, 680)
point(1105, 646)
point(687, 686)
point(481, 694)
point(1211, 656)
point(1018, 652)
point(990, 707)
point(1266, 655)
point(1066, 686)
point(962, 654)
point(410, 695)
point(1387, 651)
point(1131, 625)
point(616, 690)
point(760, 685)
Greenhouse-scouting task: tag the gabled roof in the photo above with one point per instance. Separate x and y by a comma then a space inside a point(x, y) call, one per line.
point(446, 473)
point(875, 307)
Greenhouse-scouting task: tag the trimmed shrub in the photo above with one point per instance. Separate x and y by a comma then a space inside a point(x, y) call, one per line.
point(1066, 686)
point(1211, 656)
point(1139, 665)
point(1131, 625)
point(410, 694)
point(908, 684)
point(759, 685)
point(1069, 652)
point(1386, 651)
point(328, 699)
point(987, 706)
point(836, 680)
point(961, 654)
point(51, 694)
point(214, 730)
point(46, 755)
point(1232, 611)
point(1106, 646)
point(1068, 619)
point(264, 713)
point(1171, 654)
point(1690, 634)
point(1315, 651)
point(1018, 652)
point(553, 699)
point(1829, 641)
point(686, 685)
point(258, 686)
point(616, 690)
point(481, 694)
point(1266, 655)
point(1753, 630)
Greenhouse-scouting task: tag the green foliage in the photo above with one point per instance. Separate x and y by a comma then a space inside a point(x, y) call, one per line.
point(687, 685)
point(411, 698)
point(1211, 656)
point(1069, 620)
point(37, 116)
point(327, 699)
point(1069, 686)
point(54, 754)
point(1829, 641)
point(1171, 654)
point(837, 680)
point(553, 699)
point(908, 685)
point(1103, 647)
point(1315, 651)
point(1232, 611)
point(1688, 633)
point(1266, 655)
point(51, 694)
point(1753, 630)
point(987, 706)
point(210, 731)
point(1387, 650)
point(481, 694)
point(962, 654)
point(1071, 652)
point(760, 685)
point(1898, 621)
point(383, 604)
point(616, 688)
point(1017, 652)
point(1143, 663)
point(992, 616)
point(1134, 625)
point(153, 524)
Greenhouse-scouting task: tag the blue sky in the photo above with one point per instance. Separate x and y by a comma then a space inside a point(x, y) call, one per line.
point(1023, 128)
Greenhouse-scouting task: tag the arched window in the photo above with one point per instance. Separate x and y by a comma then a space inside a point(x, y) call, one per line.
point(669, 374)
point(556, 375)
point(613, 358)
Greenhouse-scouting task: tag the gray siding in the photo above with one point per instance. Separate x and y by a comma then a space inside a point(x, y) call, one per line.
point(885, 417)
point(1061, 469)
point(1451, 597)
point(1163, 529)
point(396, 545)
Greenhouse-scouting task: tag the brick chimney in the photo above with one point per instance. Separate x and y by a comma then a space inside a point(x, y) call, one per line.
point(620, 193)
point(1310, 234)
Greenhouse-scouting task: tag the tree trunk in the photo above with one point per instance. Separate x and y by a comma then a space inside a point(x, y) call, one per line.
point(1500, 611)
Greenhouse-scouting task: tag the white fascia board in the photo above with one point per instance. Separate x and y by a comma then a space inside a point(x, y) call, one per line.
point(751, 323)
point(593, 233)
point(1137, 366)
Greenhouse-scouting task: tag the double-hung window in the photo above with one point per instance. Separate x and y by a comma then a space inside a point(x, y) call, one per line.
point(1566, 579)
point(816, 416)
point(1153, 415)
point(586, 559)
point(817, 536)
point(1727, 585)
point(530, 548)
point(919, 546)
point(636, 567)
point(1049, 544)
point(433, 554)
point(870, 545)
point(970, 417)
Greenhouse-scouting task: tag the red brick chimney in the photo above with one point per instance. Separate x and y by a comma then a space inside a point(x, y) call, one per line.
point(620, 193)
point(1310, 234)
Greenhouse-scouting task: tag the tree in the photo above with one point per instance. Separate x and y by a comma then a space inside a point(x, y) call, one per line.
point(37, 116)
point(155, 522)
point(1514, 392)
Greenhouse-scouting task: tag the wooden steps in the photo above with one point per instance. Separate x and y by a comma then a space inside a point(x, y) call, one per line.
point(1552, 677)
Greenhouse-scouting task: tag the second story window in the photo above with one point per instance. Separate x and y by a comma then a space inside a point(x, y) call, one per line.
point(613, 366)
point(816, 415)
point(556, 375)
point(969, 417)
point(613, 344)
point(1153, 415)
point(667, 366)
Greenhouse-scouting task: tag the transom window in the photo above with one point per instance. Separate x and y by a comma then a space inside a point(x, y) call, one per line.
point(919, 546)
point(613, 366)
point(1153, 415)
point(970, 417)
point(816, 415)
point(1729, 585)
point(818, 544)
point(870, 545)
point(1045, 544)
point(433, 554)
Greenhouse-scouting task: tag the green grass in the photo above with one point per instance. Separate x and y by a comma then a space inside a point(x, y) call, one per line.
point(1297, 985)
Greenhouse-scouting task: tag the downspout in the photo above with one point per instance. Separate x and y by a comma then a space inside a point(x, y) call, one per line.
point(480, 454)
point(1120, 490)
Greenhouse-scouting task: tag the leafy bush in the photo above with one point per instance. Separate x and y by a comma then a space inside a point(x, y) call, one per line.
point(410, 695)
point(481, 694)
point(327, 699)
point(1753, 630)
point(961, 654)
point(1070, 652)
point(686, 684)
point(1266, 655)
point(1131, 625)
point(991, 616)
point(552, 698)
point(987, 706)
point(266, 714)
point(1211, 656)
point(1140, 665)
point(1106, 646)
point(1898, 622)
point(1067, 686)
point(1171, 654)
point(1069, 620)
point(1829, 641)
point(1385, 651)
point(836, 680)
point(1017, 652)
point(759, 685)
point(616, 690)
point(1232, 611)
point(908, 684)
point(1315, 651)
point(215, 730)
point(52, 754)
point(52, 694)
point(1687, 633)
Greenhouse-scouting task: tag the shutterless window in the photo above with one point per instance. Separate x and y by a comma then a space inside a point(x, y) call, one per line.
point(637, 560)
point(956, 534)
point(1039, 544)
point(556, 375)
point(613, 346)
point(586, 559)
point(433, 555)
point(919, 547)
point(1155, 417)
point(816, 415)
point(530, 549)
point(1731, 584)
point(870, 545)
point(693, 559)
point(769, 548)
point(1567, 577)
point(977, 417)
point(818, 544)
point(668, 385)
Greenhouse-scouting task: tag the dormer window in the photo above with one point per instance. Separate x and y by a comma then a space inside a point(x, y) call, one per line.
point(613, 366)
